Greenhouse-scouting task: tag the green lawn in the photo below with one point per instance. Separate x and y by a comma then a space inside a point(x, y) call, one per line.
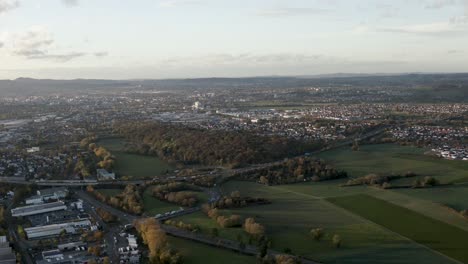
point(294, 212)
point(153, 206)
point(437, 235)
point(195, 253)
point(110, 192)
point(386, 159)
point(134, 165)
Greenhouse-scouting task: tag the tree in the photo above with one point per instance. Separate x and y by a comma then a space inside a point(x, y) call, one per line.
point(214, 232)
point(337, 241)
point(105, 260)
point(317, 233)
point(241, 246)
point(253, 228)
point(355, 146)
point(21, 232)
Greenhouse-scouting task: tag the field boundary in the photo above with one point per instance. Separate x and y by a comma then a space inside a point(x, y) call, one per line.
point(391, 231)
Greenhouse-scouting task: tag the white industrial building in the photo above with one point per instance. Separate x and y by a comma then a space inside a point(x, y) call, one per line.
point(7, 256)
point(38, 209)
point(46, 195)
point(56, 229)
point(104, 175)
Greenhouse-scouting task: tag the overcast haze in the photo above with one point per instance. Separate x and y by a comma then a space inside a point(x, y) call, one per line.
point(203, 38)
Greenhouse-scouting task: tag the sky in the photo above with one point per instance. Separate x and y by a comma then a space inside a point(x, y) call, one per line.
point(135, 39)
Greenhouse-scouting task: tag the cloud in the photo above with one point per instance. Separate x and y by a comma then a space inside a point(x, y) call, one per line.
point(33, 42)
point(8, 5)
point(454, 51)
point(101, 54)
point(425, 29)
point(64, 57)
point(36, 44)
point(438, 4)
point(174, 3)
point(70, 3)
point(291, 11)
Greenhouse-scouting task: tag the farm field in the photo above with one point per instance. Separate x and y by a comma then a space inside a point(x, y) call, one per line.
point(134, 165)
point(425, 201)
point(193, 253)
point(386, 159)
point(452, 196)
point(292, 214)
point(439, 236)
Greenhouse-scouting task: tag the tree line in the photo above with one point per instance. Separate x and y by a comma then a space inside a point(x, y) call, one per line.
point(189, 146)
point(294, 170)
point(179, 193)
point(129, 200)
point(234, 200)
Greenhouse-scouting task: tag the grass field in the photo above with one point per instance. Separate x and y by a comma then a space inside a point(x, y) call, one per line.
point(439, 236)
point(153, 206)
point(386, 159)
point(453, 196)
point(110, 192)
point(293, 213)
point(194, 253)
point(134, 165)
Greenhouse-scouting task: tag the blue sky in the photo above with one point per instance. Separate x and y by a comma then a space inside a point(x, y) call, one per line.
point(203, 38)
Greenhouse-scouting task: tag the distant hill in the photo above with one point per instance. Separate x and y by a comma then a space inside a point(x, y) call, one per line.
point(426, 87)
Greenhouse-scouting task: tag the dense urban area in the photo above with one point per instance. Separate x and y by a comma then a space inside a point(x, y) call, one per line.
point(244, 170)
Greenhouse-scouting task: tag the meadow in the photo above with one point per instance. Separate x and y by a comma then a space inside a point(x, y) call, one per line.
point(193, 252)
point(386, 159)
point(293, 213)
point(437, 235)
point(134, 165)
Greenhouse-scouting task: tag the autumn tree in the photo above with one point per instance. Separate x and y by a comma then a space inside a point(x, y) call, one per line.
point(317, 233)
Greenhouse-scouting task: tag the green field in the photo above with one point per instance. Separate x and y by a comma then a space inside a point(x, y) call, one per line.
point(439, 236)
point(134, 165)
point(194, 253)
point(295, 210)
point(453, 196)
point(153, 206)
point(110, 192)
point(386, 159)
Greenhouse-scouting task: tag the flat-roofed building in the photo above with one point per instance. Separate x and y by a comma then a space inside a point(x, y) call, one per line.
point(38, 209)
point(46, 195)
point(57, 229)
point(104, 175)
point(7, 256)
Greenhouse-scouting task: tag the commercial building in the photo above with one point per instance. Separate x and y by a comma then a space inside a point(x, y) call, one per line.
point(57, 229)
point(6, 253)
point(46, 195)
point(38, 209)
point(104, 175)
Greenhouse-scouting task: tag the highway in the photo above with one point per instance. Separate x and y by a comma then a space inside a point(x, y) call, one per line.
point(175, 178)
